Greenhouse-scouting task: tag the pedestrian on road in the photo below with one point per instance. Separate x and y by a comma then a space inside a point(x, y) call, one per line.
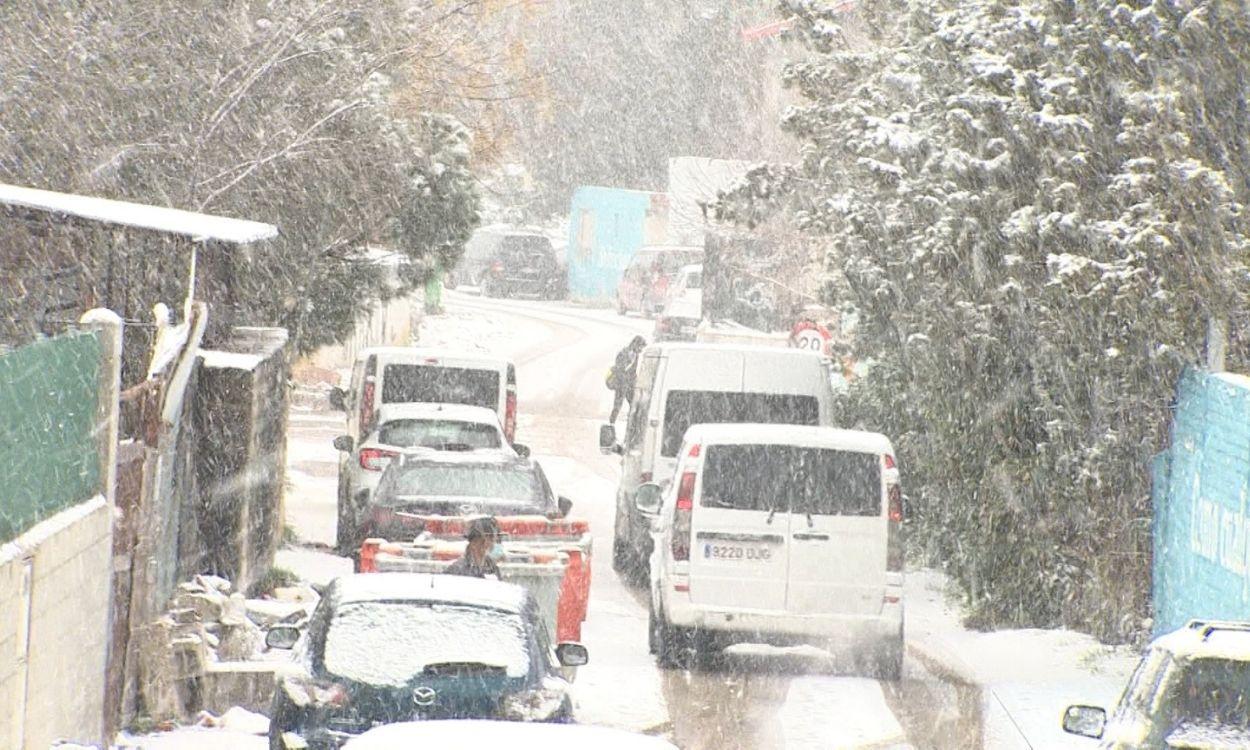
point(621, 376)
point(482, 551)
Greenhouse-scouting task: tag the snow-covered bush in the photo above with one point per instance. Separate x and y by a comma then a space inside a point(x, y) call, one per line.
point(1037, 207)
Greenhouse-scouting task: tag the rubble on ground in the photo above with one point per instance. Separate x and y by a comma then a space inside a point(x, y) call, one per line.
point(207, 652)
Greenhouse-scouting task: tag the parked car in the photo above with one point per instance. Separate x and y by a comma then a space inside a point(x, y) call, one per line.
point(778, 534)
point(392, 647)
point(400, 427)
point(683, 309)
point(477, 735)
point(1191, 689)
point(485, 244)
point(679, 384)
point(524, 266)
point(645, 282)
point(427, 482)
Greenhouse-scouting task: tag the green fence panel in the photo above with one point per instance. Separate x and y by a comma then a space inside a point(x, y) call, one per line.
point(49, 458)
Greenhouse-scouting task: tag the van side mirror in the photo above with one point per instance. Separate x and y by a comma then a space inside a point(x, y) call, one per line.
point(1085, 721)
point(565, 505)
point(607, 439)
point(343, 443)
point(338, 398)
point(648, 499)
point(521, 450)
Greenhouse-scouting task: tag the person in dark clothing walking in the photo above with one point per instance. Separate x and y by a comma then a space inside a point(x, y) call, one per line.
point(621, 376)
point(482, 551)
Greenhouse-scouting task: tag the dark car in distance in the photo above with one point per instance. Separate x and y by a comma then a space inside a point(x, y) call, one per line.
point(382, 648)
point(524, 265)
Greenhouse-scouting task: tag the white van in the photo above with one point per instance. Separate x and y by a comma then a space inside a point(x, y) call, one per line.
point(418, 375)
point(782, 534)
point(680, 384)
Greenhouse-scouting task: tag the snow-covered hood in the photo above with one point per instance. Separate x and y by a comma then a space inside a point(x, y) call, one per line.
point(1205, 736)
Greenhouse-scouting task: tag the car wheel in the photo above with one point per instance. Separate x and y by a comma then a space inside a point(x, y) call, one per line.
point(889, 661)
point(702, 649)
point(620, 307)
point(345, 530)
point(620, 555)
point(278, 724)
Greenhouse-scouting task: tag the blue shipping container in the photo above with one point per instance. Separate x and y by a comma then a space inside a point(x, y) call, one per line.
point(606, 227)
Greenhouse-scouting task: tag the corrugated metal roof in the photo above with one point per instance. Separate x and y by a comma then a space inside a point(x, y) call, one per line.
point(198, 227)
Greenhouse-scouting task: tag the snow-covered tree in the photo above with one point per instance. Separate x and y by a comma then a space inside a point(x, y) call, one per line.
point(1037, 207)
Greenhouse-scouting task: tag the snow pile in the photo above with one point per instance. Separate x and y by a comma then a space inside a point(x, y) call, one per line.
point(1028, 677)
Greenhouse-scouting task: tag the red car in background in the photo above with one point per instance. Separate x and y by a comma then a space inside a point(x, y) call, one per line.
point(644, 285)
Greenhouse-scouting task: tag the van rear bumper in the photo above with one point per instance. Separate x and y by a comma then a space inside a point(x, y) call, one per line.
point(766, 626)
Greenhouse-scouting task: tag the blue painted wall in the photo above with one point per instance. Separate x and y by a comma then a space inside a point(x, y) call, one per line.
point(1201, 519)
point(606, 227)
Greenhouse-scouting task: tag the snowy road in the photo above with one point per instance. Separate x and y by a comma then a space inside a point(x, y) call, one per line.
point(751, 698)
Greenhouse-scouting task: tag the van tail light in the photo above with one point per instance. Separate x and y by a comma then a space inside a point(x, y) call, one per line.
point(497, 268)
point(374, 459)
point(889, 461)
point(509, 417)
point(644, 477)
point(894, 536)
point(680, 546)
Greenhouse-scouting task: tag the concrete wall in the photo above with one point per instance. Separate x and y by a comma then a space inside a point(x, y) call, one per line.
point(54, 629)
point(1201, 509)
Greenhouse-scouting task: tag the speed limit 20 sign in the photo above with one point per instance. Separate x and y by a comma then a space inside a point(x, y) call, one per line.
point(810, 336)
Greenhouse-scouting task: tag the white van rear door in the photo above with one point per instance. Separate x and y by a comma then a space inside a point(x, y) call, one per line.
point(738, 555)
point(837, 533)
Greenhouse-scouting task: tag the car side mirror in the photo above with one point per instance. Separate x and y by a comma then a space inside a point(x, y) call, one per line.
point(1085, 721)
point(343, 443)
point(572, 654)
point(338, 398)
point(607, 438)
point(521, 449)
point(282, 636)
point(648, 499)
point(565, 505)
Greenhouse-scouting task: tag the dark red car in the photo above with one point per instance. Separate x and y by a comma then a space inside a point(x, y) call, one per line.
point(644, 285)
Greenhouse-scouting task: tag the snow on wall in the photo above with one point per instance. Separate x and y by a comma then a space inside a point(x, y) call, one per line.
point(1201, 518)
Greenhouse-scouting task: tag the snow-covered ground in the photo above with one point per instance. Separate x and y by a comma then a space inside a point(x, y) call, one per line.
point(1027, 677)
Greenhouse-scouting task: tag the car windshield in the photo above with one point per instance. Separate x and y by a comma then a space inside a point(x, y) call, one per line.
point(1210, 691)
point(786, 477)
point(440, 385)
point(684, 408)
point(502, 482)
point(388, 644)
point(435, 433)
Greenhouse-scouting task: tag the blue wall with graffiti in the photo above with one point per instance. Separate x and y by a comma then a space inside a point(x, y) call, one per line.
point(606, 227)
point(1201, 519)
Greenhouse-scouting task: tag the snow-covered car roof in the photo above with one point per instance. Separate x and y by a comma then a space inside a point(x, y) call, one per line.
point(474, 735)
point(452, 412)
point(699, 346)
point(1215, 639)
point(429, 353)
point(817, 437)
point(423, 587)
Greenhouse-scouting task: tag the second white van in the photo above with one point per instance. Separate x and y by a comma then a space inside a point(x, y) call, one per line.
point(680, 384)
point(778, 534)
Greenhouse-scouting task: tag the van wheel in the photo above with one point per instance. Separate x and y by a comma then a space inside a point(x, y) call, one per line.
point(670, 642)
point(620, 555)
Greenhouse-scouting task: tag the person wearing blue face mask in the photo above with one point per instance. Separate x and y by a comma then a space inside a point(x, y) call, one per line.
point(482, 551)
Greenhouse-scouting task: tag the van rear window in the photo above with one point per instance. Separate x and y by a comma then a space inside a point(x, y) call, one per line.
point(684, 408)
point(406, 384)
point(820, 481)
